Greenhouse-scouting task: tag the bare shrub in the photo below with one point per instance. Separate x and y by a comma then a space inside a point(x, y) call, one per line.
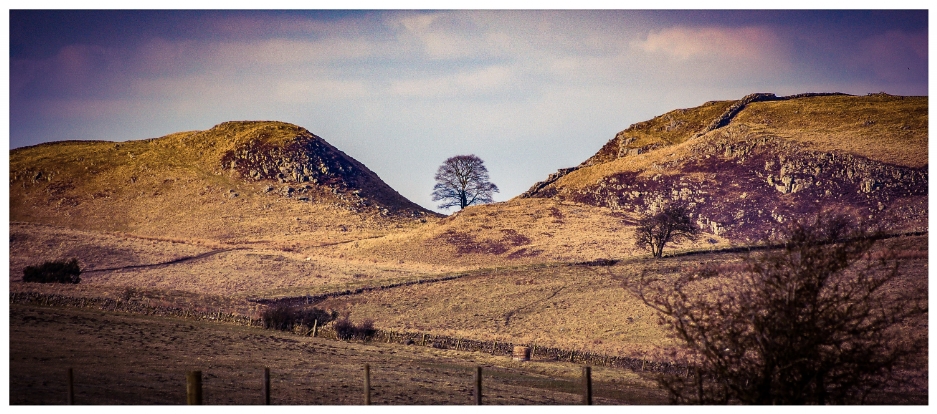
point(345, 329)
point(821, 320)
point(285, 318)
point(671, 224)
point(60, 271)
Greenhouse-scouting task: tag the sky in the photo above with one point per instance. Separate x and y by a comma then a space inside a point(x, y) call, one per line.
point(527, 91)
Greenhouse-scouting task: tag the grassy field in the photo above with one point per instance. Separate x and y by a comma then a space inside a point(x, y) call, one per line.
point(567, 306)
point(562, 305)
point(132, 359)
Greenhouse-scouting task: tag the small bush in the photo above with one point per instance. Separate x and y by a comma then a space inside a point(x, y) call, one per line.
point(53, 272)
point(285, 318)
point(345, 329)
point(366, 329)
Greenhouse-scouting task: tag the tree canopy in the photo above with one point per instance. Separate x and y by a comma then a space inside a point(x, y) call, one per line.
point(671, 224)
point(462, 181)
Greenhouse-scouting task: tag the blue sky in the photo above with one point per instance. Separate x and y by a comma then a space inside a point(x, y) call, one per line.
point(527, 91)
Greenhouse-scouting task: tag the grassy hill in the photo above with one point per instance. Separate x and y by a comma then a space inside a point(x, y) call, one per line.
point(763, 161)
point(237, 181)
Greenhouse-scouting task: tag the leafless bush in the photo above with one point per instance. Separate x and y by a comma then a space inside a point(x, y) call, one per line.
point(345, 329)
point(671, 224)
point(60, 271)
point(285, 318)
point(817, 321)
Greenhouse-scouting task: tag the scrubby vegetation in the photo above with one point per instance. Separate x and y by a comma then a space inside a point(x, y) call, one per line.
point(345, 329)
point(59, 271)
point(286, 318)
point(817, 321)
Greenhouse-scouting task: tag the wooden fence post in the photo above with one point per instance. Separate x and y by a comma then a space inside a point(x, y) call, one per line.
point(266, 386)
point(315, 327)
point(423, 342)
point(367, 384)
point(478, 385)
point(71, 388)
point(193, 387)
point(587, 385)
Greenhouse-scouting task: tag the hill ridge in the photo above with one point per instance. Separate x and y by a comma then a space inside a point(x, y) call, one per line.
point(261, 167)
point(620, 144)
point(764, 160)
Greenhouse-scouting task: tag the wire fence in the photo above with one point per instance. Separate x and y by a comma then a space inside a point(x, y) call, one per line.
point(374, 385)
point(380, 335)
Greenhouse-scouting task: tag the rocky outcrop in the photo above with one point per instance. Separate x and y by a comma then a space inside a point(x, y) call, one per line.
point(733, 110)
point(535, 189)
point(743, 187)
point(307, 164)
point(305, 158)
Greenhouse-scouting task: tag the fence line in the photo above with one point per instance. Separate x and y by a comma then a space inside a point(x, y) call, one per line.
point(194, 386)
point(380, 335)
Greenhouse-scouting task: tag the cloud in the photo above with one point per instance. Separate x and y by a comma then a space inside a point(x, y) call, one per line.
point(466, 83)
point(318, 90)
point(750, 43)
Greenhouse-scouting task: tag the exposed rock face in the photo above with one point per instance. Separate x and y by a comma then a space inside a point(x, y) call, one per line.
point(743, 188)
point(550, 179)
point(307, 158)
point(745, 184)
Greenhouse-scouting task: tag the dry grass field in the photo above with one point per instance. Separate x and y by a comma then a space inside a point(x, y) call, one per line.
point(885, 128)
point(516, 232)
point(131, 359)
point(568, 306)
point(574, 307)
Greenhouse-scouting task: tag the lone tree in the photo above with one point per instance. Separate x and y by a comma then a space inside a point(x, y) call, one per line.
point(671, 224)
point(462, 181)
point(823, 319)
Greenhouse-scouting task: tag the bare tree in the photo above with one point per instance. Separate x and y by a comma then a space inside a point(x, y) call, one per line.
point(462, 181)
point(671, 224)
point(819, 320)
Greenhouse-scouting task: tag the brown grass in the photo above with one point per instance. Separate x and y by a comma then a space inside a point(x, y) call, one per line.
point(130, 359)
point(889, 129)
point(175, 186)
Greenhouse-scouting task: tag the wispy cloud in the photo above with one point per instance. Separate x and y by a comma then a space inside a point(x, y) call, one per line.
point(757, 46)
